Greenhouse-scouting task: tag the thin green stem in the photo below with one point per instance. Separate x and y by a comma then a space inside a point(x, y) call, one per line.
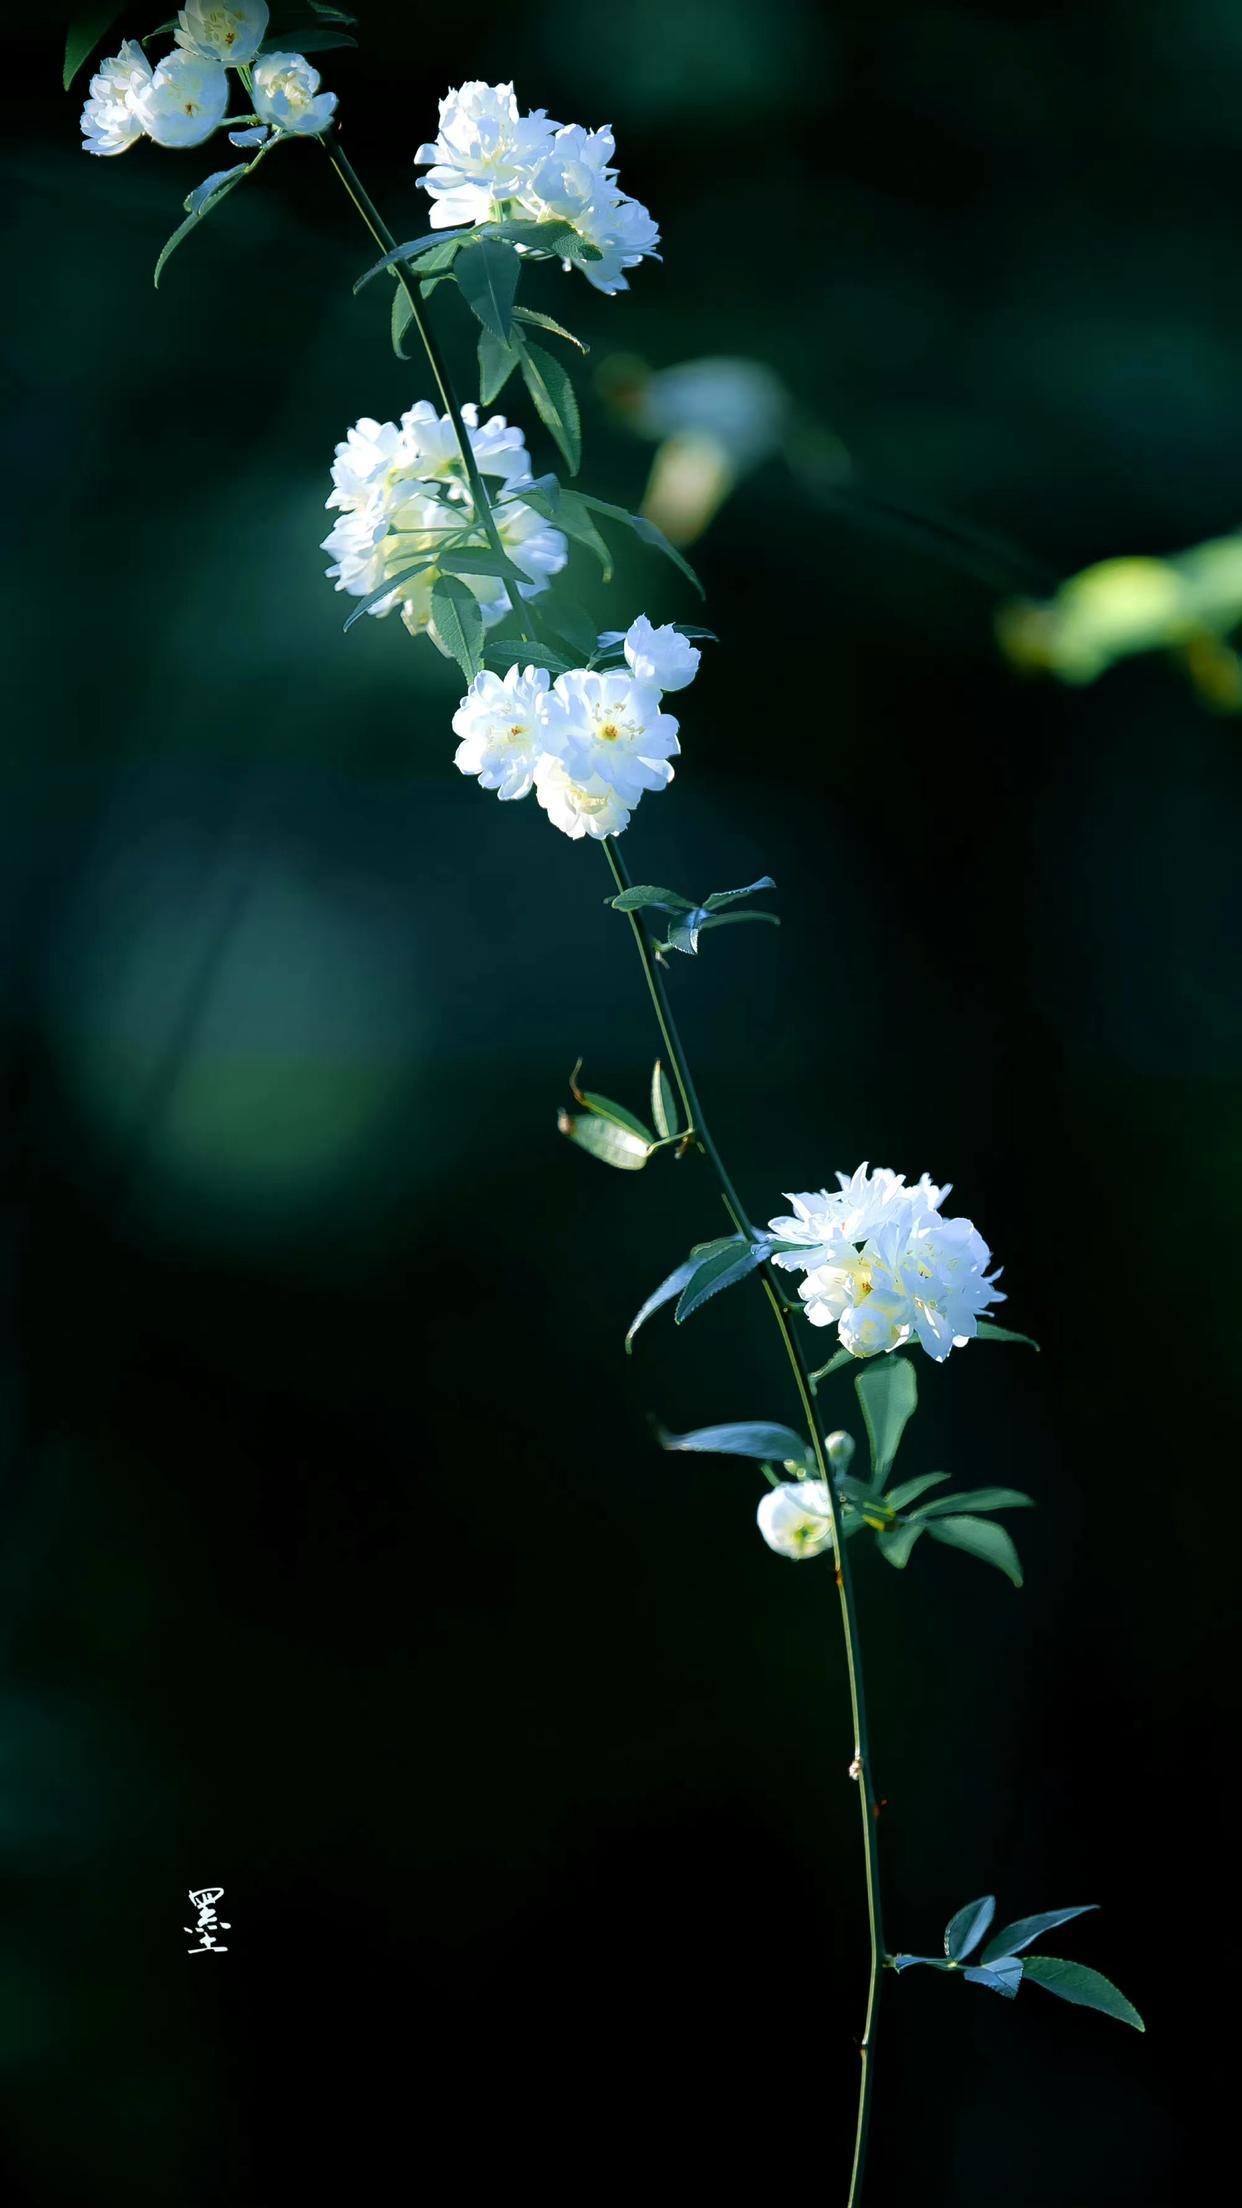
point(344, 170)
point(861, 1767)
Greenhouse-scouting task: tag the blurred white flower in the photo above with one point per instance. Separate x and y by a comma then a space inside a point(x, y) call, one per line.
point(794, 1518)
point(110, 121)
point(483, 154)
point(882, 1264)
point(660, 655)
point(402, 496)
point(232, 32)
point(185, 99)
point(610, 728)
point(500, 723)
point(590, 807)
point(287, 95)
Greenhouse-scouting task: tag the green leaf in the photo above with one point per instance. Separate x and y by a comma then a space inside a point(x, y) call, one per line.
point(309, 41)
point(574, 624)
point(402, 315)
point(443, 242)
point(663, 1102)
point(554, 236)
point(898, 1497)
point(552, 396)
point(515, 651)
point(665, 1293)
point(684, 934)
point(896, 1544)
point(977, 1498)
point(373, 597)
point(722, 897)
point(965, 1929)
point(487, 272)
point(611, 1144)
point(545, 322)
point(208, 195)
point(723, 1270)
point(570, 514)
point(329, 13)
point(888, 1392)
point(604, 1108)
point(979, 1537)
point(479, 559)
point(646, 893)
point(459, 623)
point(837, 1363)
point(1089, 1989)
point(753, 1438)
point(986, 1332)
point(1003, 1977)
point(907, 1962)
point(85, 32)
point(497, 362)
point(649, 534)
point(1023, 1930)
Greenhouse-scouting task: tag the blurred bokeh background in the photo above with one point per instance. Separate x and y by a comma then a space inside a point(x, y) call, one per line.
point(338, 1567)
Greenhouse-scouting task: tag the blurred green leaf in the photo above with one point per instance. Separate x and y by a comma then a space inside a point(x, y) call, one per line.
point(897, 1542)
point(85, 33)
point(545, 322)
point(553, 398)
point(479, 559)
point(646, 531)
point(487, 272)
point(888, 1392)
point(967, 1926)
point(747, 1438)
point(987, 1332)
point(516, 651)
point(309, 41)
point(611, 1144)
point(723, 1270)
point(574, 624)
point(645, 893)
point(1012, 1937)
point(459, 623)
point(1089, 1989)
point(373, 597)
point(604, 1108)
point(898, 1497)
point(663, 1102)
point(201, 201)
point(978, 1537)
point(977, 1498)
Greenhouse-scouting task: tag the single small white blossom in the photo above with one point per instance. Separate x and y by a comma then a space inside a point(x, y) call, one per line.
point(839, 1450)
point(660, 655)
point(610, 727)
point(794, 1518)
point(589, 807)
point(110, 121)
point(500, 723)
point(224, 30)
point(287, 95)
point(483, 155)
point(185, 99)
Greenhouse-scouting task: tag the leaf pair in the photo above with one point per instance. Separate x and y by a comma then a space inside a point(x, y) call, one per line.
point(888, 1395)
point(688, 920)
point(1001, 1966)
point(615, 1135)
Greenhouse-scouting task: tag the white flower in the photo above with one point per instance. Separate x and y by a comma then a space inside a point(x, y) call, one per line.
point(500, 724)
point(579, 808)
point(483, 154)
point(110, 122)
point(184, 101)
point(610, 727)
point(794, 1518)
point(287, 95)
point(576, 184)
point(660, 655)
point(232, 32)
point(403, 497)
point(883, 1265)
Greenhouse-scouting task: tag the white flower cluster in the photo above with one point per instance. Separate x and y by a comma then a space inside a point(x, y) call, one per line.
point(403, 495)
point(184, 98)
point(491, 162)
point(588, 744)
point(881, 1264)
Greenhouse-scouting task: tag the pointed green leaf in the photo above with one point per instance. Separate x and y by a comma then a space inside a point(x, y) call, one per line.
point(571, 515)
point(1013, 1937)
point(553, 398)
point(545, 322)
point(515, 651)
point(309, 41)
point(753, 1438)
point(444, 243)
point(979, 1537)
point(215, 188)
point(663, 1102)
point(986, 1332)
point(479, 559)
point(1003, 1977)
point(487, 272)
point(1089, 1989)
point(721, 897)
point(574, 625)
point(724, 1270)
point(497, 362)
point(836, 1363)
point(610, 1144)
point(649, 534)
point(402, 313)
point(684, 934)
point(645, 893)
point(897, 1498)
point(85, 34)
point(458, 623)
point(604, 1108)
point(966, 1928)
point(977, 1498)
point(665, 1293)
point(896, 1543)
point(908, 1962)
point(888, 1392)
point(373, 597)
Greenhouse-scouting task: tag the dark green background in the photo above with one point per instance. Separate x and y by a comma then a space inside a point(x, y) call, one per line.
point(339, 1567)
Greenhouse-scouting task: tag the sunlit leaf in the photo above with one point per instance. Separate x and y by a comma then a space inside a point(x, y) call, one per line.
point(967, 1926)
point(497, 362)
point(459, 623)
point(646, 893)
point(85, 33)
point(545, 322)
point(978, 1537)
point(1002, 1978)
point(888, 1392)
point(1089, 1989)
point(207, 197)
point(977, 1498)
point(1013, 1937)
point(896, 1543)
point(554, 400)
point(487, 274)
point(898, 1498)
point(663, 1102)
point(723, 1270)
point(601, 1139)
point(753, 1438)
point(441, 242)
